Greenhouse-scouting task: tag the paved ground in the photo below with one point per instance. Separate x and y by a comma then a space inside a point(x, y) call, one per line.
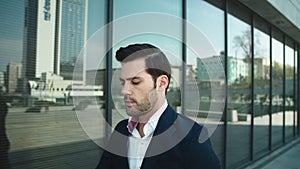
point(286, 157)
point(61, 139)
point(289, 159)
point(53, 139)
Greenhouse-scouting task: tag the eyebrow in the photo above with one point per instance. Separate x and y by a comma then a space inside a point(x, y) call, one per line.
point(132, 78)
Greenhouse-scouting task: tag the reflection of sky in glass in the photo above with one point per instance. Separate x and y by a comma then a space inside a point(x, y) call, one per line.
point(210, 22)
point(277, 51)
point(201, 14)
point(235, 28)
point(261, 44)
point(289, 56)
point(96, 16)
point(96, 43)
point(296, 54)
point(11, 32)
point(127, 8)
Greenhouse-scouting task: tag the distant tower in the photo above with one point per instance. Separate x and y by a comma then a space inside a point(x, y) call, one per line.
point(54, 34)
point(39, 38)
point(71, 36)
point(14, 75)
point(2, 79)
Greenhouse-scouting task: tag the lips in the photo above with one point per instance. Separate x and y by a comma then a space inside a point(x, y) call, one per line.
point(129, 102)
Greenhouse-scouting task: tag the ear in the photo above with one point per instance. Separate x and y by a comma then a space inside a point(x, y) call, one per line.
point(162, 83)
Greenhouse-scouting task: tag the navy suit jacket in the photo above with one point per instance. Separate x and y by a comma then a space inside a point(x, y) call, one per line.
point(175, 145)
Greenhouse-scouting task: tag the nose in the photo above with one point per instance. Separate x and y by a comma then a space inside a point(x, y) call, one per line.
point(126, 89)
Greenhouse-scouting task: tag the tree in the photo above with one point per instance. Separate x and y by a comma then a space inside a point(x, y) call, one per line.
point(289, 72)
point(244, 42)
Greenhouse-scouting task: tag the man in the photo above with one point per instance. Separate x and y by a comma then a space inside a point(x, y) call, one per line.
point(155, 136)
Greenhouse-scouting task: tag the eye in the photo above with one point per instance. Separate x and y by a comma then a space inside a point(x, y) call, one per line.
point(135, 82)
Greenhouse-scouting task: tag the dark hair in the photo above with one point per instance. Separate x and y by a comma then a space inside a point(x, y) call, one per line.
point(156, 61)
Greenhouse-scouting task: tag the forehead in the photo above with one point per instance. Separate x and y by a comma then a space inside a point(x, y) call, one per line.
point(132, 68)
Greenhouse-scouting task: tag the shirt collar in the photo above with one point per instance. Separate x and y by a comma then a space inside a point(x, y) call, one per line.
point(152, 122)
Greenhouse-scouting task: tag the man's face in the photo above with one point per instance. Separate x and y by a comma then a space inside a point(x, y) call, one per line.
point(138, 89)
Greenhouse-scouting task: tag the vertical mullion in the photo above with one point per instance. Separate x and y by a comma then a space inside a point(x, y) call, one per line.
point(226, 80)
point(184, 59)
point(252, 90)
point(294, 92)
point(108, 99)
point(271, 94)
point(298, 90)
point(283, 86)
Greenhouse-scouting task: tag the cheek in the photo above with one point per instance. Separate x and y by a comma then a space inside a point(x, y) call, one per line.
point(143, 93)
point(144, 89)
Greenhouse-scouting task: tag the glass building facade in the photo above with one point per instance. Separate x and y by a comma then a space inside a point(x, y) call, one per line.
point(72, 35)
point(242, 65)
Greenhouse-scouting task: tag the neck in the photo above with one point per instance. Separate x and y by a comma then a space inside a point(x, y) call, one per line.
point(145, 118)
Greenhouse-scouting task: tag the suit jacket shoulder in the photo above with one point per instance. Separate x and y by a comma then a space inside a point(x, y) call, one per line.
point(196, 147)
point(175, 145)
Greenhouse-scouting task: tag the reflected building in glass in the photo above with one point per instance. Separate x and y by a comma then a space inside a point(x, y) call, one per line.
point(262, 68)
point(250, 50)
point(54, 33)
point(39, 38)
point(210, 63)
point(71, 35)
point(14, 75)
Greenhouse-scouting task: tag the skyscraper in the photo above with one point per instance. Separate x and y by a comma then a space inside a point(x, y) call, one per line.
point(71, 35)
point(2, 78)
point(54, 33)
point(39, 38)
point(14, 74)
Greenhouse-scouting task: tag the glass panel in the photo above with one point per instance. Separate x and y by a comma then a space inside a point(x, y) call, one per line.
point(289, 93)
point(297, 89)
point(277, 93)
point(11, 31)
point(261, 93)
point(206, 67)
point(130, 28)
point(45, 67)
point(239, 92)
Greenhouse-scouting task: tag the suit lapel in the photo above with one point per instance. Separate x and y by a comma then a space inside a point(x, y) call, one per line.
point(166, 121)
point(162, 138)
point(119, 143)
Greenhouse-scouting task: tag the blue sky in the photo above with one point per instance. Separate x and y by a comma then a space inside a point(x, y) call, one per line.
point(11, 32)
point(208, 19)
point(12, 26)
point(12, 21)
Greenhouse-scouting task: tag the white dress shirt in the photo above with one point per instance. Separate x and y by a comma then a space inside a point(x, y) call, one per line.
point(138, 145)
